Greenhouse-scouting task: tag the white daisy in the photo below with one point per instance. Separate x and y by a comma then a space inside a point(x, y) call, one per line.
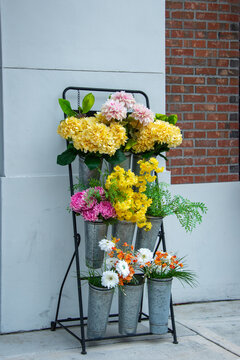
point(109, 279)
point(144, 256)
point(123, 268)
point(106, 245)
point(110, 262)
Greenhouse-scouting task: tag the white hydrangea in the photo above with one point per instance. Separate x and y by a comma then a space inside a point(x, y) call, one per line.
point(144, 256)
point(122, 268)
point(106, 245)
point(109, 279)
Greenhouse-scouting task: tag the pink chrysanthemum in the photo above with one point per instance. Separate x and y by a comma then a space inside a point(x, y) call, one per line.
point(101, 191)
point(106, 209)
point(79, 204)
point(125, 98)
point(91, 215)
point(142, 114)
point(114, 109)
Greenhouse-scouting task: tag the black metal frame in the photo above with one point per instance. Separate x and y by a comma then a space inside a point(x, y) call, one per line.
point(77, 241)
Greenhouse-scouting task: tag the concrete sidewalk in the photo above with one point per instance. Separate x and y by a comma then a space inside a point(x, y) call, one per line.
point(206, 331)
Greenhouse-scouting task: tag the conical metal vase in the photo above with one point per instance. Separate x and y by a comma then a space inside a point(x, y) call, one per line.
point(123, 230)
point(135, 165)
point(126, 164)
point(159, 292)
point(147, 239)
point(94, 232)
point(99, 305)
point(129, 306)
point(85, 174)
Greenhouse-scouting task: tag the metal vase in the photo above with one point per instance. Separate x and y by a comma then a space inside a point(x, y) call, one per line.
point(123, 230)
point(94, 232)
point(135, 165)
point(85, 174)
point(159, 292)
point(147, 239)
point(99, 305)
point(126, 164)
point(129, 306)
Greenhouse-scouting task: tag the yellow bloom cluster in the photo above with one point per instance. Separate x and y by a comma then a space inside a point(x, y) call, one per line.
point(88, 134)
point(134, 207)
point(160, 132)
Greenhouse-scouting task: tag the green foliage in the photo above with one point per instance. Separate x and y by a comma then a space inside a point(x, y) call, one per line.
point(66, 107)
point(184, 276)
point(87, 103)
point(68, 156)
point(188, 213)
point(116, 159)
point(94, 278)
point(92, 160)
point(171, 119)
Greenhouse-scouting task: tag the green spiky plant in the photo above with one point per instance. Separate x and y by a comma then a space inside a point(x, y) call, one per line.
point(188, 213)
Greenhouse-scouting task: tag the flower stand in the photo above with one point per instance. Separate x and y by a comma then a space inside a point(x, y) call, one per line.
point(81, 320)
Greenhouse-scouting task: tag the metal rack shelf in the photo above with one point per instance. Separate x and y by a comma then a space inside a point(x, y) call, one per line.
point(77, 241)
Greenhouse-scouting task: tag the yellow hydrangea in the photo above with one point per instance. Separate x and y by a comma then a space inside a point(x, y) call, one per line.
point(160, 132)
point(135, 203)
point(88, 134)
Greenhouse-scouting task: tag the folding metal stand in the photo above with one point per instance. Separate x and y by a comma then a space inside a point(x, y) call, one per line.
point(77, 241)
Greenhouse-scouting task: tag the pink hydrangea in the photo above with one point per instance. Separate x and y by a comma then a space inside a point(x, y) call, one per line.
point(101, 191)
point(114, 109)
point(91, 215)
point(142, 114)
point(125, 98)
point(106, 209)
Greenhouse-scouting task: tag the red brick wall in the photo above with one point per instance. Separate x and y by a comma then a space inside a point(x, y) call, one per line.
point(202, 87)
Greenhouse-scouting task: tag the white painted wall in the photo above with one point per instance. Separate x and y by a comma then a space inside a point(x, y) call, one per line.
point(46, 47)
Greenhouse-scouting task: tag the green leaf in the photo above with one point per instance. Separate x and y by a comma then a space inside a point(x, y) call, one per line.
point(161, 117)
point(117, 158)
point(165, 158)
point(147, 154)
point(80, 109)
point(92, 161)
point(130, 144)
point(66, 107)
point(172, 119)
point(87, 103)
point(67, 157)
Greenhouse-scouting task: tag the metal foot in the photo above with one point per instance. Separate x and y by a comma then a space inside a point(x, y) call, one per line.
point(53, 326)
point(83, 352)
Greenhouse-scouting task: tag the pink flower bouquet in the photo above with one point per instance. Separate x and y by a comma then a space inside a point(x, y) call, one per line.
point(93, 205)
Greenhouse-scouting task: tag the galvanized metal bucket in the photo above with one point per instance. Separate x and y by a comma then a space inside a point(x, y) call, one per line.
point(123, 230)
point(126, 164)
point(135, 165)
point(159, 292)
point(85, 174)
point(94, 232)
point(99, 305)
point(129, 306)
point(147, 239)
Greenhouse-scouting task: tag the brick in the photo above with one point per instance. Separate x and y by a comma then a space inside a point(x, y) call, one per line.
point(228, 72)
point(195, 43)
point(174, 24)
point(176, 171)
point(234, 134)
point(174, 42)
point(195, 6)
point(194, 134)
point(218, 26)
point(182, 180)
point(201, 35)
point(228, 90)
point(234, 27)
point(233, 99)
point(205, 71)
point(217, 134)
point(206, 125)
point(234, 168)
point(182, 34)
point(228, 143)
point(205, 143)
point(207, 178)
point(174, 79)
point(211, 80)
point(233, 117)
point(182, 70)
point(194, 152)
point(205, 161)
point(182, 89)
point(206, 107)
point(194, 98)
point(226, 178)
point(194, 170)
point(223, 125)
point(217, 117)
point(174, 152)
point(206, 89)
point(206, 16)
point(217, 98)
point(228, 35)
point(221, 81)
point(234, 45)
point(184, 15)
point(181, 162)
point(217, 152)
point(185, 125)
point(217, 169)
point(227, 160)
point(174, 5)
point(234, 63)
point(227, 108)
point(195, 62)
point(229, 53)
point(182, 52)
point(222, 62)
point(180, 107)
point(167, 69)
point(229, 17)
point(194, 116)
point(197, 25)
point(194, 80)
point(187, 143)
point(218, 44)
point(206, 53)
point(173, 98)
point(234, 151)
point(234, 81)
